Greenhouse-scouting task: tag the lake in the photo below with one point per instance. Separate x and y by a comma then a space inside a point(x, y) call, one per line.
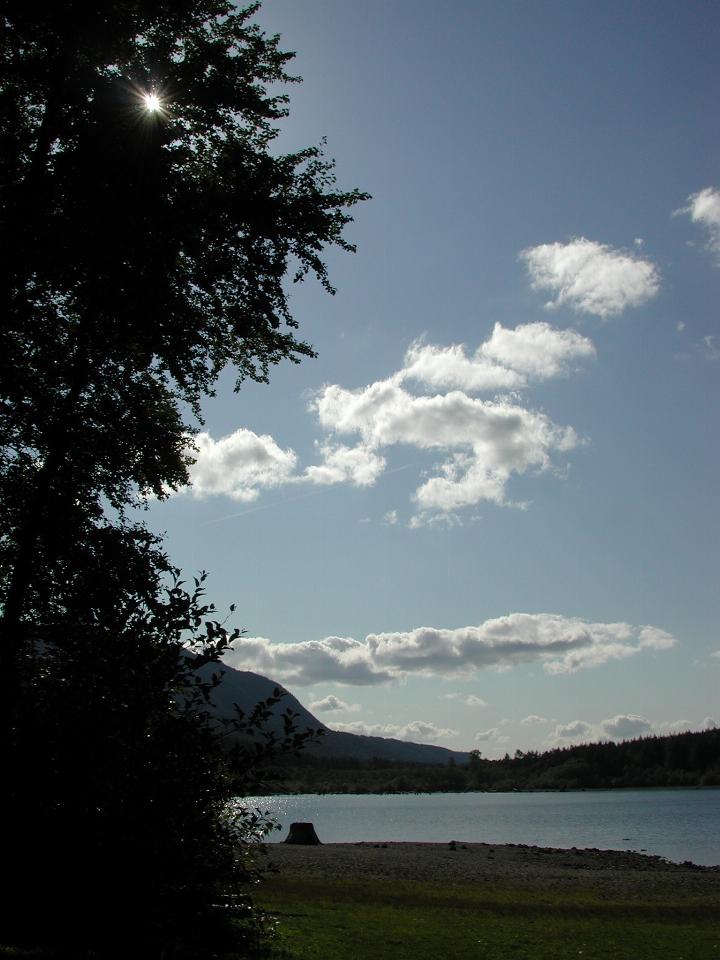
point(680, 824)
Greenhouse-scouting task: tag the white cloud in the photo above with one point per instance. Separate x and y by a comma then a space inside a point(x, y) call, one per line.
point(445, 520)
point(612, 641)
point(239, 465)
point(492, 735)
point(685, 726)
point(704, 208)
point(485, 735)
point(334, 659)
point(533, 719)
point(674, 726)
point(537, 350)
point(450, 367)
point(626, 726)
point(715, 653)
point(576, 729)
point(651, 638)
point(357, 465)
point(506, 361)
point(391, 518)
point(710, 348)
point(469, 700)
point(416, 731)
point(481, 443)
point(487, 441)
point(591, 277)
point(332, 703)
point(563, 645)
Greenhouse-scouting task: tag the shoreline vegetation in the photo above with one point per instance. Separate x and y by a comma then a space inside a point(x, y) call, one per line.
point(679, 760)
point(412, 901)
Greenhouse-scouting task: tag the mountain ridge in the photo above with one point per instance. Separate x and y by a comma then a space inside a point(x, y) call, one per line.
point(245, 688)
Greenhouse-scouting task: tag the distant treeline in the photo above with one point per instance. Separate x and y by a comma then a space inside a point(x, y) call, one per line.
point(681, 760)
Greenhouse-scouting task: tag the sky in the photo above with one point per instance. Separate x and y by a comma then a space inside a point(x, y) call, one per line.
point(486, 515)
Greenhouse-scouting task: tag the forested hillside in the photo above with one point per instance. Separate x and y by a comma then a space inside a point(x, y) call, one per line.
point(681, 760)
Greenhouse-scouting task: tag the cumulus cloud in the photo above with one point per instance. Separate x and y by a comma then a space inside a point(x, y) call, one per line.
point(537, 350)
point(359, 465)
point(417, 731)
point(469, 700)
point(450, 367)
point(508, 360)
point(626, 726)
point(481, 443)
point(239, 465)
point(484, 735)
point(591, 277)
point(612, 641)
point(652, 638)
point(675, 726)
point(684, 726)
point(333, 659)
point(486, 441)
point(533, 719)
point(331, 704)
point(704, 208)
point(561, 644)
point(576, 729)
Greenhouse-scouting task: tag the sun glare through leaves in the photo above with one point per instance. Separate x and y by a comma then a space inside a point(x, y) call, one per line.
point(152, 102)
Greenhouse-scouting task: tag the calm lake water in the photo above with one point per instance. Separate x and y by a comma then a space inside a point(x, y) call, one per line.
point(678, 824)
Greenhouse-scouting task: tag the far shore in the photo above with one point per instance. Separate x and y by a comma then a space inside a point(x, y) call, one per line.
point(458, 862)
point(646, 788)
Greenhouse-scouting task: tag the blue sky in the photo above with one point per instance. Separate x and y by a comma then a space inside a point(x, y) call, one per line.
point(493, 495)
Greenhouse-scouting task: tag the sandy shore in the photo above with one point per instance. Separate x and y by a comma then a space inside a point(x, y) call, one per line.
point(612, 872)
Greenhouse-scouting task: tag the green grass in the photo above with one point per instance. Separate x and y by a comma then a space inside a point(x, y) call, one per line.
point(355, 920)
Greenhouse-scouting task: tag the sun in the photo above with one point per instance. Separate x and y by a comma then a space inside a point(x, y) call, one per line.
point(152, 102)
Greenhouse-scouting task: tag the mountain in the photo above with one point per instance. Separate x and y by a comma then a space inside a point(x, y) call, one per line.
point(245, 689)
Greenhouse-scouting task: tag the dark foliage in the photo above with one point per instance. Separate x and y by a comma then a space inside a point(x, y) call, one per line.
point(143, 252)
point(680, 760)
point(128, 833)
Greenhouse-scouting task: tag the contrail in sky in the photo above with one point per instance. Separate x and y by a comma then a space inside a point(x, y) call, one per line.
point(278, 503)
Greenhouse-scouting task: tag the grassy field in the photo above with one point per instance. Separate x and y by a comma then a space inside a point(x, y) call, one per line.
point(356, 920)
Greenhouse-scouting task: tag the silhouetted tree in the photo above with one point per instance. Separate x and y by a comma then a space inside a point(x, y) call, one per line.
point(145, 250)
point(146, 246)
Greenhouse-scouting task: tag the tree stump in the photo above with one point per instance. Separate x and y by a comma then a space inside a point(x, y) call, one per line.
point(302, 833)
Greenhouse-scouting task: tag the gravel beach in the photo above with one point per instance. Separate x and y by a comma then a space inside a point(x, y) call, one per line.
point(611, 872)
